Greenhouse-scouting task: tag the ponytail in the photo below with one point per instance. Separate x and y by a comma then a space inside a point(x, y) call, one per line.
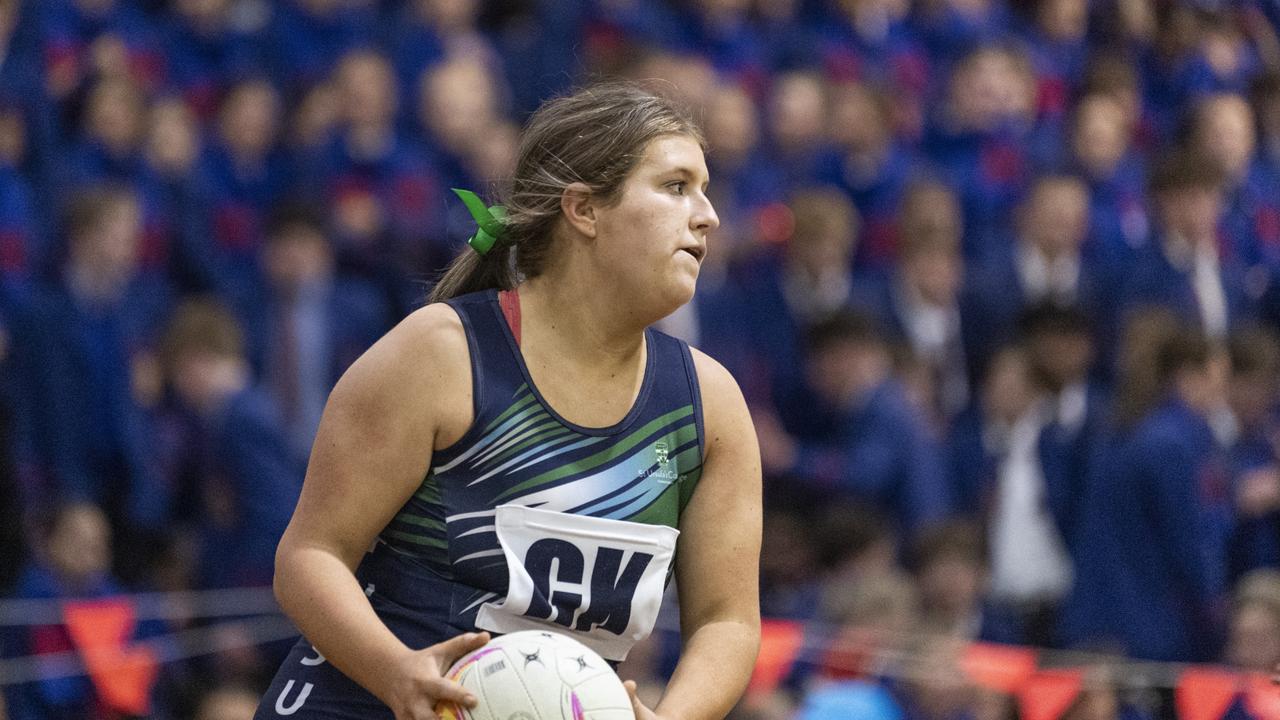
point(471, 272)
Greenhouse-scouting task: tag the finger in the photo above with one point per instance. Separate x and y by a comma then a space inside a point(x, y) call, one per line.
point(637, 707)
point(447, 690)
point(423, 710)
point(455, 647)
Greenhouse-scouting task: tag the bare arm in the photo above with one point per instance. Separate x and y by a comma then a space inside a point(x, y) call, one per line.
point(717, 567)
point(409, 392)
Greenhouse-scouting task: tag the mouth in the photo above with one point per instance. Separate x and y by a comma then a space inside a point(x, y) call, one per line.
point(697, 251)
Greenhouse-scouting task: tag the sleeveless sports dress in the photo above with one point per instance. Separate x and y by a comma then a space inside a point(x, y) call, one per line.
point(528, 521)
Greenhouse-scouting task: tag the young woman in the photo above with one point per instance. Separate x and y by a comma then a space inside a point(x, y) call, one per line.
point(524, 452)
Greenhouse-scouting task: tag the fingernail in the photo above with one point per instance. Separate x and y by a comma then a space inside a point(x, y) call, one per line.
point(470, 700)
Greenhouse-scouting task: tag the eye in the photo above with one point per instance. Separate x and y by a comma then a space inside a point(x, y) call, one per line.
point(678, 186)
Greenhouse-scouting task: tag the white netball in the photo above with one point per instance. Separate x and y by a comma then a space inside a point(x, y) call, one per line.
point(538, 675)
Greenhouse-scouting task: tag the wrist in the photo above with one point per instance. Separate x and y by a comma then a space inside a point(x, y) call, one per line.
point(397, 667)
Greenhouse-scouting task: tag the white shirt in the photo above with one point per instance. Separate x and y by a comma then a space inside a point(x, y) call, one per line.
point(1029, 561)
point(1045, 279)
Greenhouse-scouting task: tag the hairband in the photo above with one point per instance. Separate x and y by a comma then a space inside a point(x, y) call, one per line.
point(489, 221)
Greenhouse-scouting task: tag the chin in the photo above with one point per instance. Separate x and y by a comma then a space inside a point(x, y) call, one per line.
point(664, 300)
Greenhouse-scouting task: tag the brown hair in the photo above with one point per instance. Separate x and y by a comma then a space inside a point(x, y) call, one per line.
point(1254, 350)
point(88, 208)
point(959, 538)
point(201, 325)
point(821, 212)
point(1155, 347)
point(1185, 169)
point(595, 136)
point(929, 218)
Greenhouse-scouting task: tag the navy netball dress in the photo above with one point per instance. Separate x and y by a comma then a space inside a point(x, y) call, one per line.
point(528, 521)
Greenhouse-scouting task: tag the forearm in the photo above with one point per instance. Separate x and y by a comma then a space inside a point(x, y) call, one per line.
point(714, 667)
point(323, 598)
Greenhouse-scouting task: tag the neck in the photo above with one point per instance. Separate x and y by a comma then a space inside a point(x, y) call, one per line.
point(95, 285)
point(581, 321)
point(370, 140)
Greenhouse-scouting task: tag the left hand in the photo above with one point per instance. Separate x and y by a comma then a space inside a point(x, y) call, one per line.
point(642, 712)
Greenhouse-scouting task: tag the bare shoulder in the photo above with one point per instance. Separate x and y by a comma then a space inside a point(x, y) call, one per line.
point(724, 409)
point(420, 370)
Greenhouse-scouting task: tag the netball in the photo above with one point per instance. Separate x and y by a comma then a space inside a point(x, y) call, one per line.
point(538, 675)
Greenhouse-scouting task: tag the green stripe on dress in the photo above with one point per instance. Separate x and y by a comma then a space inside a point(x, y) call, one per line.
point(604, 456)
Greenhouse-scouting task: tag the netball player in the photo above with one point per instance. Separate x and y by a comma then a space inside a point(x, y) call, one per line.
point(525, 452)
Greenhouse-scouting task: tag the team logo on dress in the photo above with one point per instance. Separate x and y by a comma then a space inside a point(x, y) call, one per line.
point(663, 471)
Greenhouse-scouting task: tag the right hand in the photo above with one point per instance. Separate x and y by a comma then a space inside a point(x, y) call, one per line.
point(418, 683)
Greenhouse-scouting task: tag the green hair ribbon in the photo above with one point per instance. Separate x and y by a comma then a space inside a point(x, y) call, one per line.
point(489, 221)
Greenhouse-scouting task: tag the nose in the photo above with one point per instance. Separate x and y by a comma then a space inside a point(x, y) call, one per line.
point(704, 218)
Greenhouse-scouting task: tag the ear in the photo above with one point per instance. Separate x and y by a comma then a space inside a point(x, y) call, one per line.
point(578, 206)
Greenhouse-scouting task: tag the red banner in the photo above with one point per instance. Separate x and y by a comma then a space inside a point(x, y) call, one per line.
point(101, 629)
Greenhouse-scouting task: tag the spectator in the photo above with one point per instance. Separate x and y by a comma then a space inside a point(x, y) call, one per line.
point(310, 322)
point(796, 120)
point(1059, 52)
point(1102, 151)
point(789, 566)
point(1060, 349)
point(784, 296)
point(1012, 470)
point(981, 139)
point(1254, 640)
point(22, 250)
point(111, 135)
point(247, 175)
point(1255, 467)
point(428, 30)
point(458, 104)
point(1224, 132)
point(88, 349)
point(949, 561)
point(208, 50)
point(980, 436)
point(250, 475)
point(307, 37)
point(1118, 77)
point(1151, 566)
point(721, 31)
point(869, 621)
point(81, 38)
point(72, 561)
point(745, 180)
point(385, 199)
point(175, 195)
point(877, 449)
point(871, 166)
point(1047, 264)
point(1265, 97)
point(12, 543)
point(936, 690)
point(872, 40)
point(951, 28)
point(849, 699)
point(920, 302)
point(314, 119)
point(1183, 269)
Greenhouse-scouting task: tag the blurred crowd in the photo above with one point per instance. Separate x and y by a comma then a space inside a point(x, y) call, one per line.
point(1000, 280)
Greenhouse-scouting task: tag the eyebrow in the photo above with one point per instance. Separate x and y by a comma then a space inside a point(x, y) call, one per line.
point(686, 172)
